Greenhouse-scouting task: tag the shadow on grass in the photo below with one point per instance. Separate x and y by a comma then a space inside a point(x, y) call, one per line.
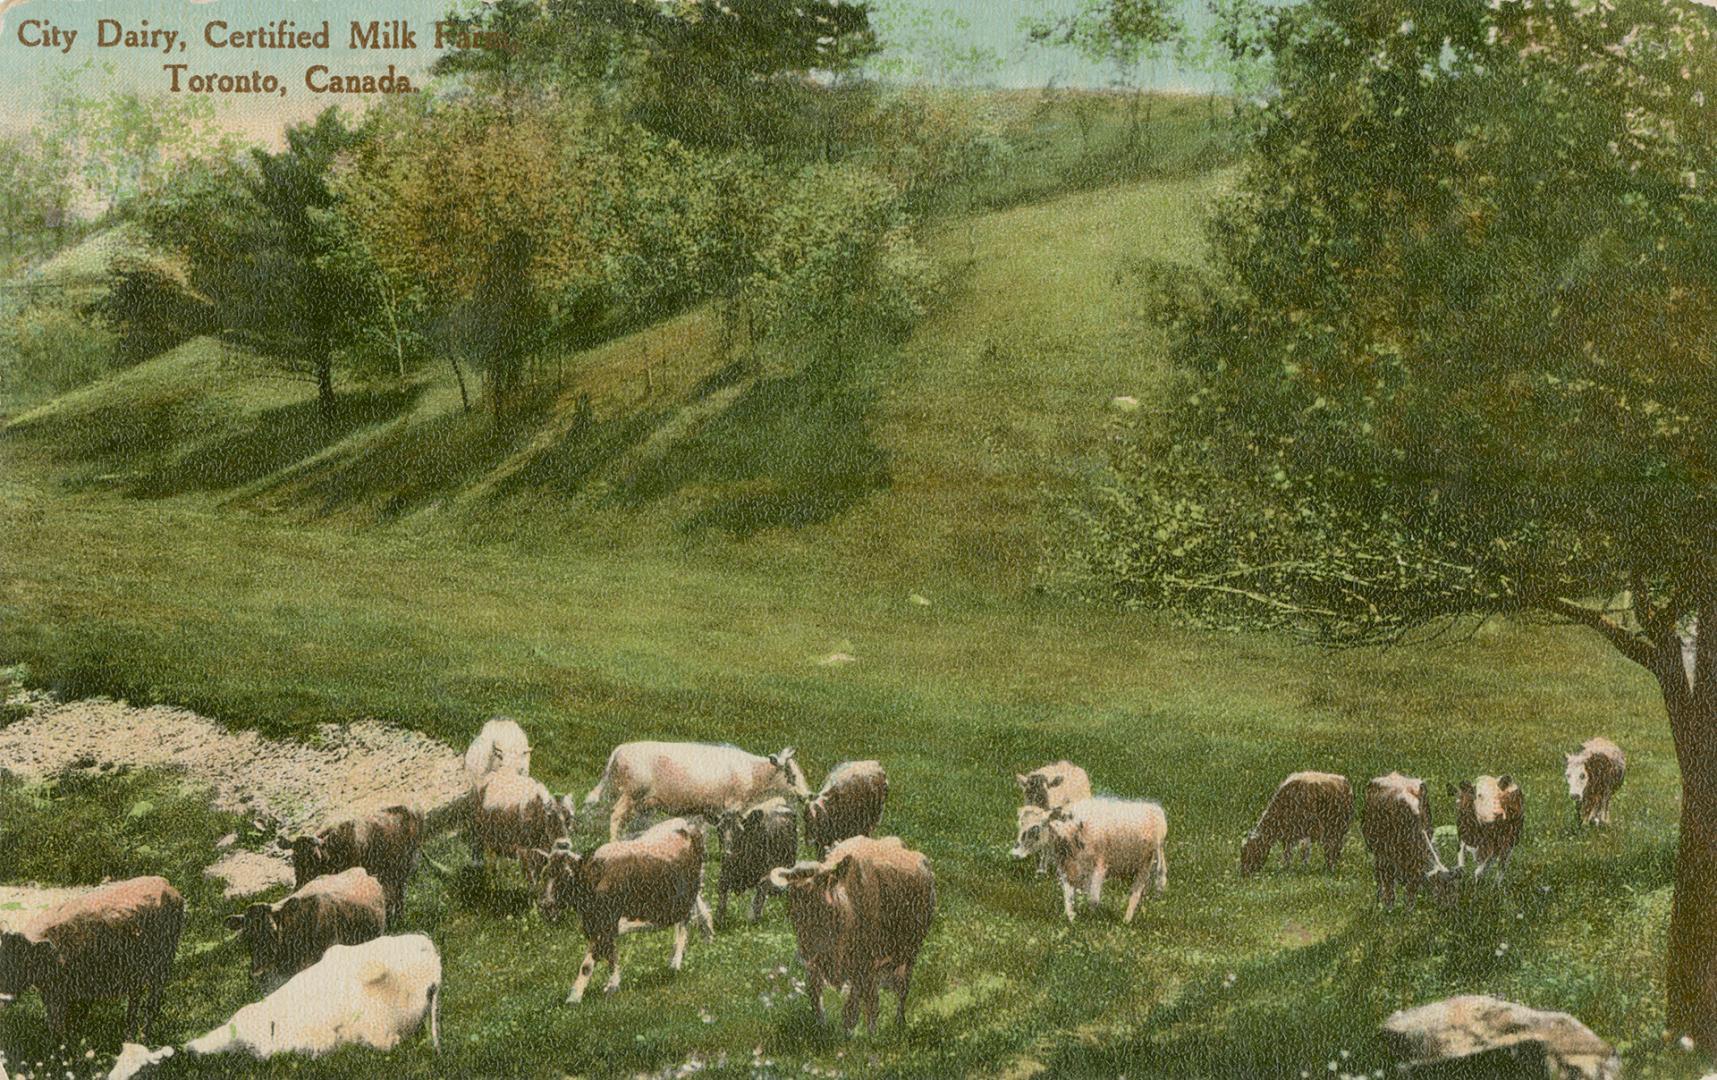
point(273, 441)
point(789, 451)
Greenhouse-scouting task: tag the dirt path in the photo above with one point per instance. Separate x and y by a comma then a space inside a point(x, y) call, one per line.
point(284, 786)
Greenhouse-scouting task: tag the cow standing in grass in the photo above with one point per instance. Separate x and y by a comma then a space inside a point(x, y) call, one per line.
point(1594, 776)
point(1489, 813)
point(385, 842)
point(655, 879)
point(1396, 824)
point(849, 804)
point(1308, 808)
point(284, 938)
point(859, 918)
point(115, 941)
point(692, 778)
point(1092, 839)
point(513, 816)
point(756, 842)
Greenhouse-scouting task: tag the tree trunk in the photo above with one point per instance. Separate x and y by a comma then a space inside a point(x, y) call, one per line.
point(325, 387)
point(464, 394)
point(1691, 981)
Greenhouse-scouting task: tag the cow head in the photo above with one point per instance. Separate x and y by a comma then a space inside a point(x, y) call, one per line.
point(815, 899)
point(1032, 832)
point(559, 877)
point(788, 765)
point(258, 926)
point(1575, 770)
point(308, 854)
point(23, 963)
point(135, 1059)
point(1035, 787)
point(1253, 849)
point(1464, 795)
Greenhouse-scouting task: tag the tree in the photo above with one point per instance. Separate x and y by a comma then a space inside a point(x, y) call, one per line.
point(1234, 46)
point(132, 142)
point(1128, 35)
point(263, 246)
point(1455, 359)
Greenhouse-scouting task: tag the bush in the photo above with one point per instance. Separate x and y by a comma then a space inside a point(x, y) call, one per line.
point(53, 347)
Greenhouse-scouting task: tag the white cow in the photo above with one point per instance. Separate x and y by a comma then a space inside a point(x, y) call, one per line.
point(692, 778)
point(1094, 838)
point(374, 995)
point(500, 747)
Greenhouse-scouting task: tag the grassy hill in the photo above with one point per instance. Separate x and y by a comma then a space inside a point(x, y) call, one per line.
point(680, 562)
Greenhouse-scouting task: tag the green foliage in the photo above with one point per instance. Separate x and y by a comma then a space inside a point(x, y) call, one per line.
point(1458, 371)
point(150, 308)
point(55, 347)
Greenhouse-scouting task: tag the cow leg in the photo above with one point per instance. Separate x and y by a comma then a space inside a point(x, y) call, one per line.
point(850, 1010)
point(612, 954)
point(902, 983)
point(721, 903)
point(872, 1003)
point(680, 935)
point(1287, 854)
point(1042, 863)
point(57, 1007)
point(617, 819)
point(1067, 894)
point(152, 1011)
point(1305, 850)
point(758, 899)
point(814, 990)
point(133, 1002)
point(584, 970)
point(1138, 891)
point(1097, 874)
point(1332, 852)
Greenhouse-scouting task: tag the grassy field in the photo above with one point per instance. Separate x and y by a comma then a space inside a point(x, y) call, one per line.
point(188, 532)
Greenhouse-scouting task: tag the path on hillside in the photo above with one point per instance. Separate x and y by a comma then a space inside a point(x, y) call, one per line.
point(280, 785)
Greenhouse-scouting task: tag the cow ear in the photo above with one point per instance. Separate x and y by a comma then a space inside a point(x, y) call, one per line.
point(1505, 780)
point(1467, 787)
point(753, 819)
point(1056, 781)
point(840, 870)
point(1019, 778)
point(1453, 789)
point(235, 923)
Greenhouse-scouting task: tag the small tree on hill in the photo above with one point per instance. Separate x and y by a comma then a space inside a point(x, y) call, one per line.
point(1456, 357)
point(1130, 36)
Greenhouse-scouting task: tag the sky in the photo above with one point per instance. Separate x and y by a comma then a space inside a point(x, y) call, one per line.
point(110, 49)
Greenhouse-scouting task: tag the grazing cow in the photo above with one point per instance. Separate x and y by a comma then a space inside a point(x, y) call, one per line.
point(1307, 808)
point(500, 747)
point(1094, 838)
point(1489, 813)
point(1396, 824)
point(850, 804)
point(112, 942)
point(384, 842)
point(758, 841)
point(514, 815)
point(692, 778)
point(860, 917)
point(375, 994)
point(655, 879)
point(335, 909)
point(1594, 776)
point(1054, 785)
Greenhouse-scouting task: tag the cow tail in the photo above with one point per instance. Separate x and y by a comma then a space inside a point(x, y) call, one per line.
point(601, 788)
point(435, 1016)
point(1160, 869)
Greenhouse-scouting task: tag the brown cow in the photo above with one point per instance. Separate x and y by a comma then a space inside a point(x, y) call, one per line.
point(1054, 785)
point(760, 840)
point(1489, 813)
point(1594, 776)
point(383, 841)
point(655, 878)
point(115, 941)
point(1307, 808)
point(1396, 824)
point(850, 804)
point(347, 908)
point(860, 917)
point(514, 815)
point(1093, 838)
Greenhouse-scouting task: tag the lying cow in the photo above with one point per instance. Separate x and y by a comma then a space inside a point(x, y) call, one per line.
point(501, 747)
point(375, 995)
point(692, 778)
point(756, 842)
point(384, 842)
point(860, 917)
point(335, 909)
point(1594, 776)
point(1308, 808)
point(514, 815)
point(1054, 785)
point(655, 879)
point(1396, 824)
point(1489, 813)
point(850, 804)
point(116, 941)
point(1094, 838)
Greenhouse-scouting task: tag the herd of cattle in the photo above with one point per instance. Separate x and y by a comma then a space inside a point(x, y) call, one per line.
point(860, 910)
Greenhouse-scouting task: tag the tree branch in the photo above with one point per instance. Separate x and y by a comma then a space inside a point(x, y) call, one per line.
point(1634, 646)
